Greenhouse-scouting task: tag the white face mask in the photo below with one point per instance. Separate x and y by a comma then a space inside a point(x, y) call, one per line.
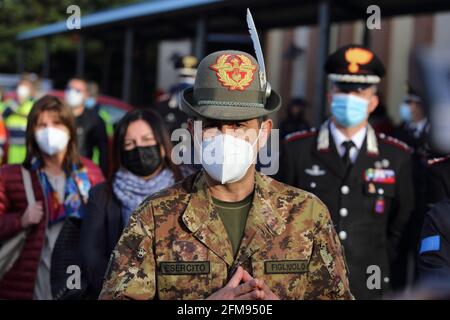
point(51, 140)
point(73, 98)
point(23, 92)
point(226, 158)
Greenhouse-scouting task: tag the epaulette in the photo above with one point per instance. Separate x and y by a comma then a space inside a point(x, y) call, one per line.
point(434, 161)
point(300, 134)
point(395, 142)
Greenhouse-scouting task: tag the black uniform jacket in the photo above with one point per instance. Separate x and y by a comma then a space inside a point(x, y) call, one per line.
point(438, 179)
point(370, 207)
point(434, 249)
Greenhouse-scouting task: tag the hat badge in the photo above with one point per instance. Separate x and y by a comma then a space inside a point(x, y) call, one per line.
point(189, 61)
point(356, 57)
point(234, 71)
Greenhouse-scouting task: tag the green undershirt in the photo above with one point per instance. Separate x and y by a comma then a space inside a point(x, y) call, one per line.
point(234, 217)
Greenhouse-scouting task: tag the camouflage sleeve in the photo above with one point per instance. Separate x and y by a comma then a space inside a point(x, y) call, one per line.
point(328, 279)
point(131, 270)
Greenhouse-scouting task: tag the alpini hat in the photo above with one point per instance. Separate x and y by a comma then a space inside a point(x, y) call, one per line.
point(229, 86)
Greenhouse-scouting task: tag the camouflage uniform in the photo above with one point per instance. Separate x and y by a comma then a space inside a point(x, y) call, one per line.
point(176, 246)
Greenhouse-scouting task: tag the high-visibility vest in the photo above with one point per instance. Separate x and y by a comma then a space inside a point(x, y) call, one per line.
point(106, 117)
point(3, 107)
point(16, 125)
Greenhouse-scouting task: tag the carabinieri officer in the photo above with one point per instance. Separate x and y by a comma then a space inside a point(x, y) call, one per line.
point(364, 178)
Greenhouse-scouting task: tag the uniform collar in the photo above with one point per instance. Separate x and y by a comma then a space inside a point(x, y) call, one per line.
point(339, 137)
point(263, 221)
point(419, 127)
point(323, 139)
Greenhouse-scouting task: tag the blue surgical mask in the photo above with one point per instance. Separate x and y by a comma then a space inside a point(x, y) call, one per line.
point(405, 112)
point(90, 102)
point(349, 110)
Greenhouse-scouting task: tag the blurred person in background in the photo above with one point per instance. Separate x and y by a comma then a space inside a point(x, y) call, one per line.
point(295, 117)
point(93, 91)
point(2, 100)
point(60, 182)
point(414, 128)
point(434, 249)
point(414, 131)
point(364, 178)
point(91, 129)
point(15, 117)
point(91, 102)
point(438, 179)
point(168, 104)
point(142, 166)
point(380, 120)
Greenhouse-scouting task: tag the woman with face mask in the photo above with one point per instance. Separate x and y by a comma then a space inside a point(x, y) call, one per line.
point(142, 166)
point(46, 198)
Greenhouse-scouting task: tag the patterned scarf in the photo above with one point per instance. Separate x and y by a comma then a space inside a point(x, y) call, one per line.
point(131, 190)
point(75, 194)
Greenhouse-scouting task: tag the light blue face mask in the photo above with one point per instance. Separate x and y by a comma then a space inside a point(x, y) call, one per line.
point(90, 103)
point(405, 112)
point(349, 110)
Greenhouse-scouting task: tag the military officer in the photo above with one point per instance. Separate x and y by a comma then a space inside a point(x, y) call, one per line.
point(229, 232)
point(434, 248)
point(414, 129)
point(364, 178)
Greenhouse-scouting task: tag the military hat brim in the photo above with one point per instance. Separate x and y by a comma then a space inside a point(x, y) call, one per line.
point(220, 112)
point(351, 87)
point(354, 64)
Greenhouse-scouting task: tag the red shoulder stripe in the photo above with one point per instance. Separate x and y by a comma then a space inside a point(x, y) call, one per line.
point(299, 135)
point(434, 161)
point(395, 142)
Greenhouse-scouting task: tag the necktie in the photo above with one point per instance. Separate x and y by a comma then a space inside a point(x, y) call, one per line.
point(346, 158)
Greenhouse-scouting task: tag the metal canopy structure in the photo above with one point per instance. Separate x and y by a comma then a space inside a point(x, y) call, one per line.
point(178, 18)
point(196, 19)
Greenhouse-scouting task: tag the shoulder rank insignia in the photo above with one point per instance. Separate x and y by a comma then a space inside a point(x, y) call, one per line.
point(395, 142)
point(300, 134)
point(433, 161)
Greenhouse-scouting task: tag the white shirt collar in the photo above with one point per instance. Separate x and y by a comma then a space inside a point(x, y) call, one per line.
point(338, 137)
point(419, 126)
